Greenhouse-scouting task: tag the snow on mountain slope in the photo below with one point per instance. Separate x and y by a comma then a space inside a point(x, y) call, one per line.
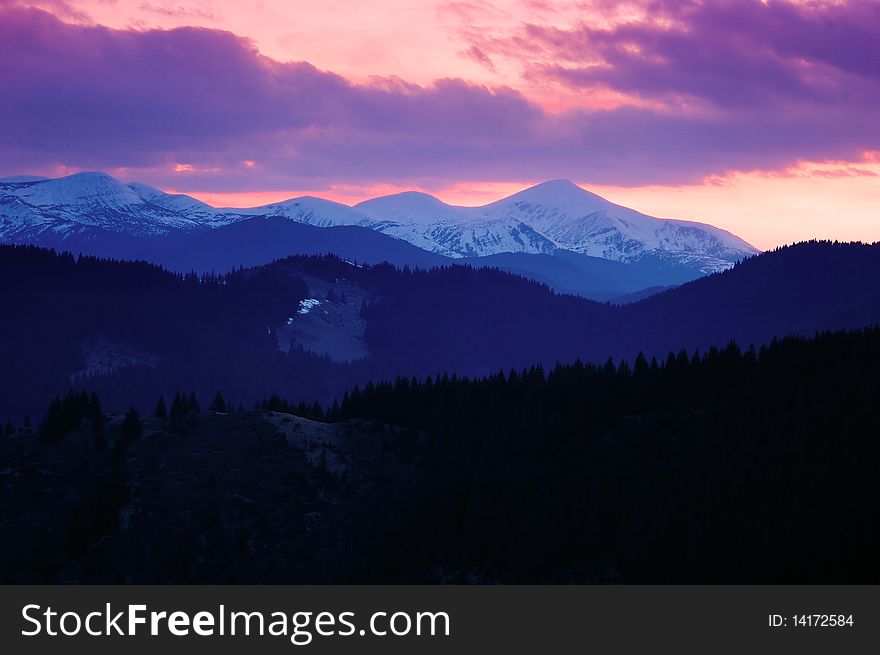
point(450, 230)
point(473, 238)
point(554, 215)
point(547, 218)
point(414, 207)
point(581, 221)
point(84, 200)
point(308, 210)
point(184, 205)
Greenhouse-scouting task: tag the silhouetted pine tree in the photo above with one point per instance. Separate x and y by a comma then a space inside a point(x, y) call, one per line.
point(69, 413)
point(161, 409)
point(178, 406)
point(218, 404)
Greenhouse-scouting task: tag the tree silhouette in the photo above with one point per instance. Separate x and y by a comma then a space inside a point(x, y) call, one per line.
point(218, 404)
point(161, 410)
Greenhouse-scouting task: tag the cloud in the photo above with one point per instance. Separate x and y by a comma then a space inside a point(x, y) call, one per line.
point(735, 84)
point(475, 54)
point(148, 101)
point(61, 8)
point(176, 10)
point(725, 53)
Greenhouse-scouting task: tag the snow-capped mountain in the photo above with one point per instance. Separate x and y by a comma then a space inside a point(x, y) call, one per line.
point(581, 221)
point(195, 210)
point(544, 219)
point(308, 210)
point(554, 215)
point(449, 230)
point(72, 204)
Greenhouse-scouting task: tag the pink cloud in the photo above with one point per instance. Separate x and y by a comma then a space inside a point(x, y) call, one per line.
point(479, 56)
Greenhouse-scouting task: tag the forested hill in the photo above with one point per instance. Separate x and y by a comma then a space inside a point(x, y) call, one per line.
point(132, 331)
point(728, 467)
point(459, 321)
point(799, 289)
point(129, 325)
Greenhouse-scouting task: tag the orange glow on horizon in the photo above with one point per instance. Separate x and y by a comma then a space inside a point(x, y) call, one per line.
point(830, 200)
point(468, 194)
point(805, 202)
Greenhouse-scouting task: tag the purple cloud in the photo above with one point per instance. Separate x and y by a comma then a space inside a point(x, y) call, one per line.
point(741, 52)
point(97, 98)
point(474, 53)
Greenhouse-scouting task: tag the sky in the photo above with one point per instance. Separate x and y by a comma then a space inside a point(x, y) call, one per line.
point(759, 116)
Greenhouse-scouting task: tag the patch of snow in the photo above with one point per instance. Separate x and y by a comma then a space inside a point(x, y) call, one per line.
point(308, 210)
point(307, 305)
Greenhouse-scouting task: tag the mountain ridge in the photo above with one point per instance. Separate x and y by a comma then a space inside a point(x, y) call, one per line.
point(556, 215)
point(228, 331)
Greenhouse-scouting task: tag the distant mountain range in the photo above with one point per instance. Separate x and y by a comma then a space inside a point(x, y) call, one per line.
point(555, 215)
point(555, 232)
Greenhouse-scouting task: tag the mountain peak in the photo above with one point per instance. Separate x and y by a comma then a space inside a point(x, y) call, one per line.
point(564, 196)
point(310, 210)
point(304, 200)
point(89, 179)
point(88, 175)
point(409, 206)
point(85, 188)
point(91, 200)
point(406, 198)
point(558, 184)
point(557, 190)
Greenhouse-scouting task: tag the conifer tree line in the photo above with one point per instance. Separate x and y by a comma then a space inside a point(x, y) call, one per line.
point(71, 411)
point(277, 404)
point(733, 465)
point(727, 466)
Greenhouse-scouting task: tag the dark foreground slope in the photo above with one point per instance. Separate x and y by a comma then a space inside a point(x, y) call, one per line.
point(247, 497)
point(133, 331)
point(732, 467)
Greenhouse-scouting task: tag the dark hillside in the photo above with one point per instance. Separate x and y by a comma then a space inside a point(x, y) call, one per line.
point(730, 467)
point(132, 331)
